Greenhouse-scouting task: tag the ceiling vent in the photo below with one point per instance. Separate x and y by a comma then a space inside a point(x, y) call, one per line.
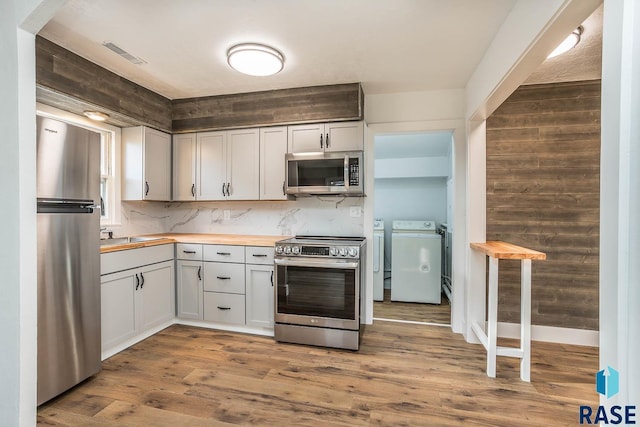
point(126, 55)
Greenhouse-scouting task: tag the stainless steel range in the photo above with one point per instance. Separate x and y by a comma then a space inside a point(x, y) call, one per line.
point(318, 288)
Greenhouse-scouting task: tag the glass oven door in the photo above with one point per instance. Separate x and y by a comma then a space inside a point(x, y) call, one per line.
point(318, 292)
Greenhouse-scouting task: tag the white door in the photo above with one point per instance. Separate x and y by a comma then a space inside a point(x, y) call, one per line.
point(190, 290)
point(118, 311)
point(344, 136)
point(157, 165)
point(273, 147)
point(184, 167)
point(156, 295)
point(211, 167)
point(259, 295)
point(306, 138)
point(243, 166)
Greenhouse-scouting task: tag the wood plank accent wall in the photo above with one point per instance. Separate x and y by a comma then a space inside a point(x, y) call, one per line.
point(284, 106)
point(543, 177)
point(72, 83)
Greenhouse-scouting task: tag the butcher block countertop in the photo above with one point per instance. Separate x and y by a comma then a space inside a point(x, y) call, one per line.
point(198, 238)
point(503, 250)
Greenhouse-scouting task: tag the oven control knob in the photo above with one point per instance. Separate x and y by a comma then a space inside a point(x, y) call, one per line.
point(333, 251)
point(295, 250)
point(343, 251)
point(287, 250)
point(279, 250)
point(353, 252)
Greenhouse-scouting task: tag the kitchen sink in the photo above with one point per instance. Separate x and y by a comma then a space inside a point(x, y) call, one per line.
point(125, 240)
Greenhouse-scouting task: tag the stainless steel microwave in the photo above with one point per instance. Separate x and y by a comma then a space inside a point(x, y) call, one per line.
point(338, 172)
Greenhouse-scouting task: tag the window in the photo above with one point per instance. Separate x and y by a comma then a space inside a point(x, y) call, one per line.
point(109, 160)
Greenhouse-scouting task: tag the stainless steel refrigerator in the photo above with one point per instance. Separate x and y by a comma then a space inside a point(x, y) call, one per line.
point(68, 190)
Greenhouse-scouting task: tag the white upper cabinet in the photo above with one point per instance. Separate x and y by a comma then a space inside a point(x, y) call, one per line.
point(273, 147)
point(146, 157)
point(211, 166)
point(184, 167)
point(243, 164)
point(222, 165)
point(320, 137)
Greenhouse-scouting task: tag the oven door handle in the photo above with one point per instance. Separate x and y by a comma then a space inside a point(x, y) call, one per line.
point(316, 263)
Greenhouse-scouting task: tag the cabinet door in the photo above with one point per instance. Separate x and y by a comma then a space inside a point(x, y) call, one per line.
point(156, 295)
point(157, 165)
point(259, 296)
point(243, 164)
point(211, 166)
point(189, 298)
point(344, 136)
point(273, 147)
point(118, 308)
point(184, 167)
point(306, 138)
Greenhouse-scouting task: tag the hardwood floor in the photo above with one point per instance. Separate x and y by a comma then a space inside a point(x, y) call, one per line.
point(415, 312)
point(403, 375)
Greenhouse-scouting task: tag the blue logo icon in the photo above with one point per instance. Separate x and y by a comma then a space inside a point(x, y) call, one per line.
point(608, 385)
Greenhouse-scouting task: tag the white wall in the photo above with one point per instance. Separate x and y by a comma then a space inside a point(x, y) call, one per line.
point(620, 199)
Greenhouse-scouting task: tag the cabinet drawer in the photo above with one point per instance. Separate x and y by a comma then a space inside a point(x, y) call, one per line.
point(224, 277)
point(189, 251)
point(112, 262)
point(223, 253)
point(224, 308)
point(259, 255)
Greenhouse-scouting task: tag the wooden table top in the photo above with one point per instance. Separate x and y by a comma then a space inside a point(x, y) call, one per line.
point(503, 250)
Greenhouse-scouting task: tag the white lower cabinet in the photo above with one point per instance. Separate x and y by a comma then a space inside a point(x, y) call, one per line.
point(135, 301)
point(189, 288)
point(259, 295)
point(224, 308)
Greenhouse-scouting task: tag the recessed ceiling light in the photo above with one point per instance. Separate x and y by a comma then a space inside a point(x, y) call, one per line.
point(96, 115)
point(255, 59)
point(569, 43)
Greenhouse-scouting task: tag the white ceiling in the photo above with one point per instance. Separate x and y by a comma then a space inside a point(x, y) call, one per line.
point(388, 45)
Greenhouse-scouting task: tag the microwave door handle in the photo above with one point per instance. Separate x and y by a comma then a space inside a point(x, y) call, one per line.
point(347, 176)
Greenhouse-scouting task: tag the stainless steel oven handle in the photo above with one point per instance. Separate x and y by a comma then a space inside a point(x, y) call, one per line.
point(307, 262)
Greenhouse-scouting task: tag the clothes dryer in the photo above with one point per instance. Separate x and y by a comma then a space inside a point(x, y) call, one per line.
point(415, 262)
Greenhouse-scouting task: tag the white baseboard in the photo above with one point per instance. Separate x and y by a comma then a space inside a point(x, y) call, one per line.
point(551, 334)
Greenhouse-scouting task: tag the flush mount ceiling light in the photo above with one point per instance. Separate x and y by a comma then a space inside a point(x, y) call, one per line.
point(569, 43)
point(96, 115)
point(255, 59)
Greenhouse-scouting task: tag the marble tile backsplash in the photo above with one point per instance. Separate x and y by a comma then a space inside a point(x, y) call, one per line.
point(308, 215)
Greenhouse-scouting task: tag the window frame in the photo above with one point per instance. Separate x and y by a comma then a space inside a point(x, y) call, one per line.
point(113, 203)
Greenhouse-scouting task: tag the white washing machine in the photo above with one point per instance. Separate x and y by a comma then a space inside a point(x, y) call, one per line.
point(378, 260)
point(415, 262)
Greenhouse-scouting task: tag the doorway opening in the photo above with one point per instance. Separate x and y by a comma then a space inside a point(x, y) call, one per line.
point(413, 187)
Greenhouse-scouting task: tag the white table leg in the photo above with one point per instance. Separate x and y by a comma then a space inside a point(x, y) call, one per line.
point(525, 320)
point(492, 327)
